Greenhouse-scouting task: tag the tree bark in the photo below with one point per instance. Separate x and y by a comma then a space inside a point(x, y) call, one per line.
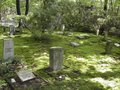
point(105, 5)
point(27, 7)
point(18, 10)
point(18, 7)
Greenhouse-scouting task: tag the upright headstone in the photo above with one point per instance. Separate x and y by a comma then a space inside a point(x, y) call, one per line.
point(105, 34)
point(56, 58)
point(108, 47)
point(12, 29)
point(63, 28)
point(8, 52)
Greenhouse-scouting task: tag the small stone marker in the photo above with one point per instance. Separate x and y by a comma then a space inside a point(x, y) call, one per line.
point(56, 58)
point(117, 44)
point(13, 80)
point(25, 75)
point(12, 29)
point(74, 44)
point(80, 37)
point(108, 47)
point(68, 34)
point(8, 49)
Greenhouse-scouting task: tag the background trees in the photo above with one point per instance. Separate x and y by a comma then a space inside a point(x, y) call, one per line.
point(75, 15)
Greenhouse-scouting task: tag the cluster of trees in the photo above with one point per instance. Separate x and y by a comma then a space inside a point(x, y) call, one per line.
point(75, 15)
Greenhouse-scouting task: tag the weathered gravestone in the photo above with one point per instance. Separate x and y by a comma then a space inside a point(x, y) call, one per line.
point(8, 52)
point(108, 47)
point(25, 75)
point(56, 58)
point(80, 37)
point(12, 29)
point(117, 44)
point(74, 44)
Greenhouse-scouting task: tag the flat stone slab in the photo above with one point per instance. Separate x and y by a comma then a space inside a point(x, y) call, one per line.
point(33, 84)
point(117, 44)
point(74, 44)
point(82, 37)
point(25, 75)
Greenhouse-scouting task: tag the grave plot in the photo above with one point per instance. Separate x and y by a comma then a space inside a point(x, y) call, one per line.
point(25, 80)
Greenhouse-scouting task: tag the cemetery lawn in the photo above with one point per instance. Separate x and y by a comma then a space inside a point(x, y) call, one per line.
point(86, 67)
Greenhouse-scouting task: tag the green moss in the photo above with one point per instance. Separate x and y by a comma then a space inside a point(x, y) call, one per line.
point(81, 64)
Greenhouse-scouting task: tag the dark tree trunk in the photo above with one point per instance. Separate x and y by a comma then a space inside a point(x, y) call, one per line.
point(27, 7)
point(105, 5)
point(18, 10)
point(18, 7)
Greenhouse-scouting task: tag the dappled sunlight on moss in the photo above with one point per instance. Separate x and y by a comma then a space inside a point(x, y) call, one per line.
point(84, 67)
point(107, 83)
point(102, 58)
point(102, 68)
point(41, 61)
point(26, 35)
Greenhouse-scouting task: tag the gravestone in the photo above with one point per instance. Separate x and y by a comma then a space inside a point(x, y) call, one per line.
point(25, 75)
point(69, 34)
point(80, 37)
point(108, 47)
point(8, 52)
point(74, 44)
point(117, 44)
point(105, 34)
point(56, 58)
point(12, 29)
point(63, 28)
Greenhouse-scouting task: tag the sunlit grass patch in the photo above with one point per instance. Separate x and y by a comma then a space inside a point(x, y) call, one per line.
point(108, 84)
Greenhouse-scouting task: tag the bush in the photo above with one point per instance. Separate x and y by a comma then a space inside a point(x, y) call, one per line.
point(39, 36)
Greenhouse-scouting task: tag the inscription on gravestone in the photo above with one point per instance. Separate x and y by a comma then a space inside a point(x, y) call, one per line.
point(25, 75)
point(8, 52)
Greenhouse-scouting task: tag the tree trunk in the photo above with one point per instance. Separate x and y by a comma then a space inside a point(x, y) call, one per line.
point(18, 7)
point(105, 5)
point(18, 10)
point(27, 7)
point(118, 9)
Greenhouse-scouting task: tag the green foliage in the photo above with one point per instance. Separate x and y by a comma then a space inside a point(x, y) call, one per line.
point(56, 13)
point(39, 36)
point(7, 68)
point(2, 83)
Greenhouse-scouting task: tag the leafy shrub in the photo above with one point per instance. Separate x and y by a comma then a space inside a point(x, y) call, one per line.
point(39, 36)
point(7, 68)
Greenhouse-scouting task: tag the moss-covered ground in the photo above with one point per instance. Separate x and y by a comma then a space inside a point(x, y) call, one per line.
point(86, 67)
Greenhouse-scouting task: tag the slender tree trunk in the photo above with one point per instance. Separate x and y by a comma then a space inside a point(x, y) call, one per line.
point(112, 5)
point(105, 9)
point(118, 9)
point(27, 7)
point(18, 7)
point(105, 5)
point(18, 11)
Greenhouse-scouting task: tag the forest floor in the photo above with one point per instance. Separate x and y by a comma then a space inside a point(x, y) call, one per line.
point(86, 67)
